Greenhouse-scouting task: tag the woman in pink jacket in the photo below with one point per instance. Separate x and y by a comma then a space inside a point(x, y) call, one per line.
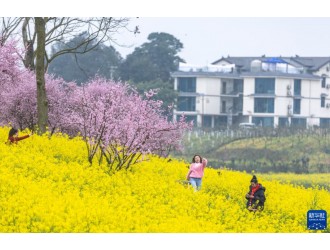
point(196, 171)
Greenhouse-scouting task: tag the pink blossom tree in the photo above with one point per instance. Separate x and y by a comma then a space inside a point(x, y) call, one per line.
point(116, 123)
point(15, 96)
point(18, 100)
point(10, 70)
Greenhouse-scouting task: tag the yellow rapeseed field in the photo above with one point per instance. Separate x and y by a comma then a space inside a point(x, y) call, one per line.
point(47, 185)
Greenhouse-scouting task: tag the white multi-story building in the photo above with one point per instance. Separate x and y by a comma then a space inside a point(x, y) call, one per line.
point(267, 91)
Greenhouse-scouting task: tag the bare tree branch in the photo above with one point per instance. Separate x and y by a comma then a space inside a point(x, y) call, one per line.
point(61, 29)
point(99, 30)
point(8, 27)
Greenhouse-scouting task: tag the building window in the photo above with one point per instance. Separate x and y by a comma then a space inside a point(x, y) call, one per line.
point(283, 122)
point(263, 121)
point(298, 122)
point(322, 101)
point(223, 107)
point(263, 105)
point(238, 105)
point(207, 121)
point(224, 87)
point(323, 81)
point(296, 106)
point(265, 86)
point(324, 122)
point(220, 121)
point(297, 87)
point(238, 85)
point(187, 103)
point(187, 84)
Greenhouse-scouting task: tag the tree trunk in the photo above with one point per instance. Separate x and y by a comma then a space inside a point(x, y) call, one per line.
point(42, 102)
point(28, 44)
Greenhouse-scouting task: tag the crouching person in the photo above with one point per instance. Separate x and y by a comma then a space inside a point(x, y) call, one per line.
point(256, 196)
point(13, 136)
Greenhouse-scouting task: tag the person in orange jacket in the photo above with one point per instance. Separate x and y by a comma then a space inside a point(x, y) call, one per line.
point(13, 136)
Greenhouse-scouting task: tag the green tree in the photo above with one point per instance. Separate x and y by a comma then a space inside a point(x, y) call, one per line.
point(79, 67)
point(165, 93)
point(153, 60)
point(151, 64)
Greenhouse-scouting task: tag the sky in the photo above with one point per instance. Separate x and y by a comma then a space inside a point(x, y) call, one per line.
point(208, 29)
point(207, 39)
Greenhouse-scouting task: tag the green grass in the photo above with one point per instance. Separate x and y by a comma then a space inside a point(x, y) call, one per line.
point(298, 153)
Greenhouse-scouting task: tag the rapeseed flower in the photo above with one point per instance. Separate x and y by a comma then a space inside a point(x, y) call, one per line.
point(48, 185)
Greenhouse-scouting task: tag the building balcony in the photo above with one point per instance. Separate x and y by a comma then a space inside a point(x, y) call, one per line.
point(232, 94)
point(232, 111)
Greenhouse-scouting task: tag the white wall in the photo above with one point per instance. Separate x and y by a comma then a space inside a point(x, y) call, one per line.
point(223, 63)
point(248, 98)
point(310, 100)
point(282, 99)
point(311, 90)
point(325, 70)
point(210, 87)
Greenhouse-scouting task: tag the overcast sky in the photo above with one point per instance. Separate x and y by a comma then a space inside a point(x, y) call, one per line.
point(207, 39)
point(242, 28)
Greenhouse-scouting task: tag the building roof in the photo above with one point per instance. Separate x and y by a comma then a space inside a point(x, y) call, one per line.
point(242, 62)
point(313, 63)
point(279, 75)
point(205, 74)
point(243, 74)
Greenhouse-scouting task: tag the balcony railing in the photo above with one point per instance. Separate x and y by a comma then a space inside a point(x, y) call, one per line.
point(234, 93)
point(233, 111)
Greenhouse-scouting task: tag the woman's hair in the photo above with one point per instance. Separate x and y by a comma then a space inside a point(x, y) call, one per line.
point(200, 158)
point(12, 131)
point(254, 179)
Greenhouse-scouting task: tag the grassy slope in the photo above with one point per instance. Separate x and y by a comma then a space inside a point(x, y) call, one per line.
point(268, 151)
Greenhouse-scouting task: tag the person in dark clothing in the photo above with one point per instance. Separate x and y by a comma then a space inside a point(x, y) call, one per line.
point(256, 196)
point(13, 136)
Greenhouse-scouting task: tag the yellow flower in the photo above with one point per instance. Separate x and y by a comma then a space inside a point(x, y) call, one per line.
point(47, 185)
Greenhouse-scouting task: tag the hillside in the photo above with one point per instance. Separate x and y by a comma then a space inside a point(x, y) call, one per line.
point(282, 154)
point(47, 185)
point(302, 152)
